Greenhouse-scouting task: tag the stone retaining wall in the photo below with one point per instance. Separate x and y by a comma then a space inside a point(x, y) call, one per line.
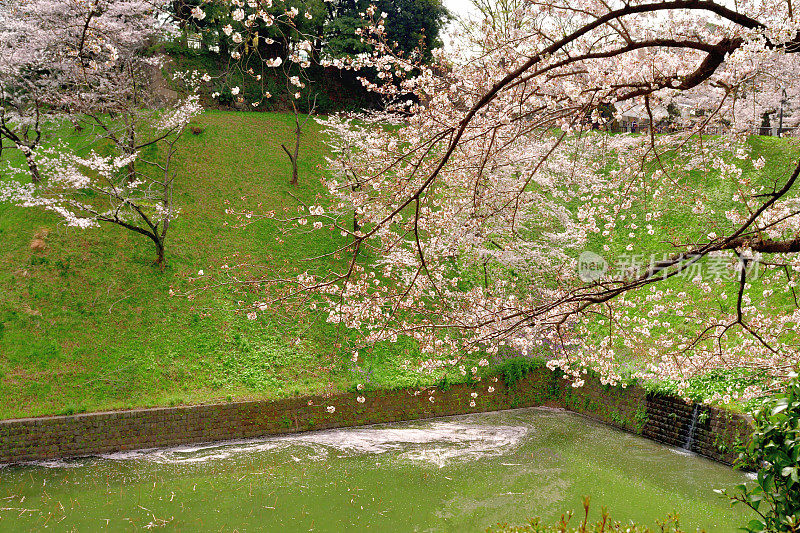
point(708, 431)
point(660, 418)
point(98, 433)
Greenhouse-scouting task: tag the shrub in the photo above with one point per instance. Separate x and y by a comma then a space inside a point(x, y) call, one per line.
point(516, 368)
point(775, 449)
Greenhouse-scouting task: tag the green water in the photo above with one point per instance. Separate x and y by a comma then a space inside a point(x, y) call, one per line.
point(454, 474)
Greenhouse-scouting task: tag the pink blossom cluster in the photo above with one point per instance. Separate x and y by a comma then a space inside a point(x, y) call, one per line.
point(477, 201)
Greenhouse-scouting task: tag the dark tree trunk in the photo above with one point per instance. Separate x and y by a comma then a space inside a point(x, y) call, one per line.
point(160, 261)
point(152, 234)
point(297, 133)
point(34, 169)
point(131, 171)
point(294, 155)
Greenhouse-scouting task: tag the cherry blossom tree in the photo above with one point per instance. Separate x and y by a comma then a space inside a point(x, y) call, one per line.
point(500, 210)
point(264, 40)
point(283, 39)
point(298, 86)
point(81, 64)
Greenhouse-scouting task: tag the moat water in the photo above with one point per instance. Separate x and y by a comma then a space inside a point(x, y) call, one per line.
point(452, 474)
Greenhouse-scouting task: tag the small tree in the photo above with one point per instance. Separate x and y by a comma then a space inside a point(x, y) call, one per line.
point(89, 190)
point(299, 87)
point(298, 40)
point(264, 40)
point(90, 72)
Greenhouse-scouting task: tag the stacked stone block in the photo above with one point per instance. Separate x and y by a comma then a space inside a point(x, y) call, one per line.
point(662, 418)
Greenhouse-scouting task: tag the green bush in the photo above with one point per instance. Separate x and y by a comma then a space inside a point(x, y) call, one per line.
point(775, 449)
point(704, 387)
point(335, 90)
point(516, 368)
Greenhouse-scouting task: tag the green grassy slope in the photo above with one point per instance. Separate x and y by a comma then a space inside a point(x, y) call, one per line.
point(87, 323)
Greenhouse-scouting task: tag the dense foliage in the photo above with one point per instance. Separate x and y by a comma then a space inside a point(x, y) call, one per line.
point(334, 23)
point(412, 25)
point(235, 41)
point(775, 451)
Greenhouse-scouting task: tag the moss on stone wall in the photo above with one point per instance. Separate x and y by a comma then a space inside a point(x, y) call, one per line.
point(658, 417)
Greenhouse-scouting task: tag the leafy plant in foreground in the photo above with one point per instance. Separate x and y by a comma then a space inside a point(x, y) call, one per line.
point(604, 525)
point(775, 448)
